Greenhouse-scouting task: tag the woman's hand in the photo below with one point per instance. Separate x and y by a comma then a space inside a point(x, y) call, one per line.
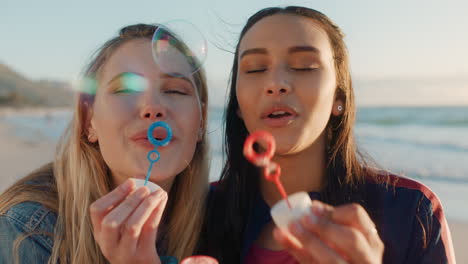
point(125, 223)
point(343, 234)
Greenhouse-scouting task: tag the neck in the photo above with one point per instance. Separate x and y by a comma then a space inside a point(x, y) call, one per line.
point(303, 171)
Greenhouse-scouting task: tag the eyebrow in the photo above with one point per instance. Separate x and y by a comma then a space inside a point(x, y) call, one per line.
point(303, 49)
point(294, 49)
point(122, 74)
point(176, 75)
point(162, 75)
point(253, 51)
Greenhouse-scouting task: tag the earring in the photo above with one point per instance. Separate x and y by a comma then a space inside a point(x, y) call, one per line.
point(340, 108)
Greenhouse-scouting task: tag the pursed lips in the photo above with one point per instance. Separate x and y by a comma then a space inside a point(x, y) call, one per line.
point(279, 115)
point(141, 137)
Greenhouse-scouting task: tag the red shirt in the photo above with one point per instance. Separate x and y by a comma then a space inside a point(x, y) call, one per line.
point(259, 255)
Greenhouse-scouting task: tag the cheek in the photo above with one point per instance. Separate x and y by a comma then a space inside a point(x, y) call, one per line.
point(124, 106)
point(110, 120)
point(246, 96)
point(244, 107)
point(117, 107)
point(109, 137)
point(189, 124)
point(189, 115)
point(328, 79)
point(318, 88)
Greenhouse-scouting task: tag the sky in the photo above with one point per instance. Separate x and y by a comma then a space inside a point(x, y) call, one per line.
point(387, 40)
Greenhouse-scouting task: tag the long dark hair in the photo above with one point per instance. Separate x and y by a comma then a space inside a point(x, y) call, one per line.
point(232, 200)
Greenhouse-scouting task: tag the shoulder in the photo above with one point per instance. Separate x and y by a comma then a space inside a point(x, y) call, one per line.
point(412, 219)
point(31, 219)
point(398, 190)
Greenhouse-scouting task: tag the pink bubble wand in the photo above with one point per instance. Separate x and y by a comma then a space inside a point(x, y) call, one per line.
point(271, 170)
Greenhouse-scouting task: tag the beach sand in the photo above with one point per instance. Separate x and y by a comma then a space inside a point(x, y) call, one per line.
point(459, 232)
point(19, 157)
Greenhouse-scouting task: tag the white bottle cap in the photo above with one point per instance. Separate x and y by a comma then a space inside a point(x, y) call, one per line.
point(151, 186)
point(282, 215)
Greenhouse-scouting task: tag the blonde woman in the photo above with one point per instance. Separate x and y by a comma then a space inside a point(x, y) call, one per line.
point(82, 207)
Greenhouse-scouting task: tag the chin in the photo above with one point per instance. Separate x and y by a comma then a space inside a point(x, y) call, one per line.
point(284, 150)
point(285, 142)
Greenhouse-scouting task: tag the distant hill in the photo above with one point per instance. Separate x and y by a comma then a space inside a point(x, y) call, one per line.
point(18, 91)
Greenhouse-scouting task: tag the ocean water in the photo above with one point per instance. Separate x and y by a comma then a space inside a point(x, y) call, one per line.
point(425, 143)
point(429, 144)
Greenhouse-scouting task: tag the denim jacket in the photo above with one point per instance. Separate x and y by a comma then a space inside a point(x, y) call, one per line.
point(36, 221)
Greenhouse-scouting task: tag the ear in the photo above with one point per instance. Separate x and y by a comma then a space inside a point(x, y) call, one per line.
point(90, 126)
point(92, 133)
point(201, 131)
point(338, 107)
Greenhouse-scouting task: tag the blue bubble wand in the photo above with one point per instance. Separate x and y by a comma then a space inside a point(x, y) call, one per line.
point(153, 155)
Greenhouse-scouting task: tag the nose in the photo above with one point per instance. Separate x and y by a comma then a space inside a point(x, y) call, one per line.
point(279, 83)
point(152, 108)
point(151, 113)
point(278, 89)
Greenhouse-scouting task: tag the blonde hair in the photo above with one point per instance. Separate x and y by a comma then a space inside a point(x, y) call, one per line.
point(79, 176)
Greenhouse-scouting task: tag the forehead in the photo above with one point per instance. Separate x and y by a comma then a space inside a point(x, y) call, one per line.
point(282, 31)
point(133, 56)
